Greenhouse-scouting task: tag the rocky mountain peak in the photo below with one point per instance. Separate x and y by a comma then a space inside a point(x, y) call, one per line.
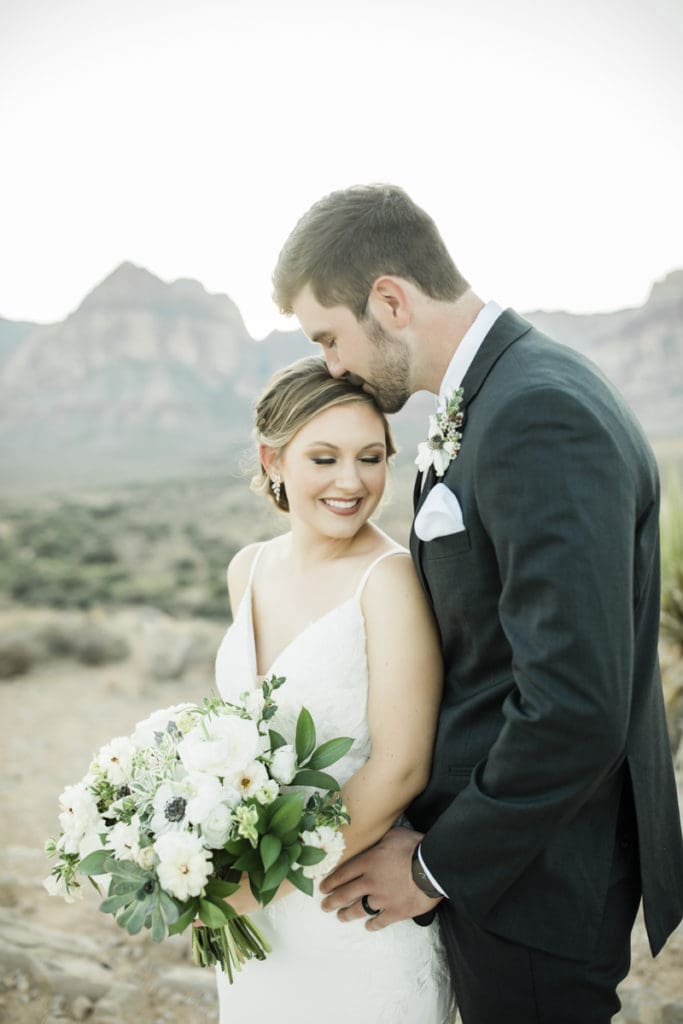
point(130, 287)
point(667, 292)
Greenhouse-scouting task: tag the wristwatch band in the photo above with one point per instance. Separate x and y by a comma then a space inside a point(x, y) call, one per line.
point(420, 878)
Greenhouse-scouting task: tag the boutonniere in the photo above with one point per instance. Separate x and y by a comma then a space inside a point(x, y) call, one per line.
point(443, 443)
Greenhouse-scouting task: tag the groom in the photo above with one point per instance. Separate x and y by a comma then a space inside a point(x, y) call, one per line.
point(551, 805)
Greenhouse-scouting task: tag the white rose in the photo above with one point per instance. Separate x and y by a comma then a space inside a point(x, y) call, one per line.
point(283, 764)
point(184, 864)
point(216, 827)
point(232, 743)
point(328, 839)
point(206, 791)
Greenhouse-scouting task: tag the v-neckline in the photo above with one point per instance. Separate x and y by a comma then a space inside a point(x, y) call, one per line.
point(248, 599)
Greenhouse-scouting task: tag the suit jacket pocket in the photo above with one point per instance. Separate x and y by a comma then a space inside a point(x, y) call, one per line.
point(446, 547)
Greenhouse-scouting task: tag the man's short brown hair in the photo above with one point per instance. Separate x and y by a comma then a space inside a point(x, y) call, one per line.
point(350, 238)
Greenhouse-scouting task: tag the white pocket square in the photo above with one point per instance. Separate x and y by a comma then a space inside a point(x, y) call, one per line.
point(440, 515)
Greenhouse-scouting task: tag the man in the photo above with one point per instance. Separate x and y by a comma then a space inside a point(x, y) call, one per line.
point(551, 804)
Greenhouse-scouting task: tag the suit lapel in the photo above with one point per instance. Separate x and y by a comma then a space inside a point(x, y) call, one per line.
point(508, 328)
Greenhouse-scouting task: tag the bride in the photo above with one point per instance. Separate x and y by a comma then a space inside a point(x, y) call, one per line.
point(335, 607)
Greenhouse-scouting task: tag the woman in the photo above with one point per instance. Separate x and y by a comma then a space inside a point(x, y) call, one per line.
point(335, 607)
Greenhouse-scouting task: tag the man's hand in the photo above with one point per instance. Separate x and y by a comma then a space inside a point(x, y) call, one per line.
point(383, 874)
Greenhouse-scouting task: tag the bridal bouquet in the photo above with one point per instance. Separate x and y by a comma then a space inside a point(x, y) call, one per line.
point(200, 799)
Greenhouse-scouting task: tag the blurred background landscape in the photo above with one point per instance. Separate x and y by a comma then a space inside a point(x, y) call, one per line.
point(126, 456)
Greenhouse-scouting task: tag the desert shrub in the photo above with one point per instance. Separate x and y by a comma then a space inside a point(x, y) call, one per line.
point(95, 645)
point(17, 655)
point(672, 561)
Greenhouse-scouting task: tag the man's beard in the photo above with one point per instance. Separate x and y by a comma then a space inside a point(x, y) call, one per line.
point(390, 368)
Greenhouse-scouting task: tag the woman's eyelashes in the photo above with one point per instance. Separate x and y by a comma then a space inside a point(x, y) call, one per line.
point(328, 460)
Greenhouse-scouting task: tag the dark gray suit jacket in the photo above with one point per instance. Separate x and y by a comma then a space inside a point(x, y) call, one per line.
point(548, 608)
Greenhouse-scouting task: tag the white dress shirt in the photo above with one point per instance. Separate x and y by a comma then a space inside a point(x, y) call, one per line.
point(453, 378)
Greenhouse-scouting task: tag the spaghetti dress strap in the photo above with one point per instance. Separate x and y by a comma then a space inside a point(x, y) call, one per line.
point(253, 563)
point(398, 550)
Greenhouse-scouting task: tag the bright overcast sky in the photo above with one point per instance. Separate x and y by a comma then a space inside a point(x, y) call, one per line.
point(544, 137)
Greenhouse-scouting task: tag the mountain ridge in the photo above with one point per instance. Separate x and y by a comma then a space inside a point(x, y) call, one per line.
point(165, 374)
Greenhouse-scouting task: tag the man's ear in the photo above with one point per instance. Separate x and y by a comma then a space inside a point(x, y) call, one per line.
point(390, 302)
point(269, 458)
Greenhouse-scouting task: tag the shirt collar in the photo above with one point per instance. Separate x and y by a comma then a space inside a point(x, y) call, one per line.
point(468, 348)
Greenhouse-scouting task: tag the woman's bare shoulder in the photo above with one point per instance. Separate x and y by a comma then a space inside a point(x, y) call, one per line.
point(238, 573)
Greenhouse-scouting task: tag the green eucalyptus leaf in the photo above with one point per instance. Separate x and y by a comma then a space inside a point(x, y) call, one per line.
point(269, 849)
point(249, 861)
point(266, 896)
point(212, 915)
point(185, 919)
point(299, 879)
point(305, 735)
point(169, 907)
point(277, 740)
point(113, 904)
point(320, 780)
point(328, 753)
point(234, 847)
point(136, 920)
point(288, 814)
point(94, 863)
point(311, 855)
point(277, 873)
point(293, 851)
point(220, 889)
point(159, 926)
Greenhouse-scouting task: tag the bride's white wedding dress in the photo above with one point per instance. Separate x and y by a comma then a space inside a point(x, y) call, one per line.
point(320, 968)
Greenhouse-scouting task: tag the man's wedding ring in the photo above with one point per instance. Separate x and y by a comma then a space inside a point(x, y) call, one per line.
point(370, 911)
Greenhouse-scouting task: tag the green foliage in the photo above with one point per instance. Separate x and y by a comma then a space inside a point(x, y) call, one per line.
point(166, 546)
point(672, 560)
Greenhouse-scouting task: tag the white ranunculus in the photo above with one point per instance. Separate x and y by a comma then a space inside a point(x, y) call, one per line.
point(114, 759)
point(216, 827)
point(143, 735)
point(124, 839)
point(184, 864)
point(268, 792)
point(232, 743)
point(328, 839)
point(250, 779)
point(283, 764)
point(56, 886)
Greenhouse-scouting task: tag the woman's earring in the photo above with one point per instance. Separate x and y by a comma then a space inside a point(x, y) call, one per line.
point(277, 486)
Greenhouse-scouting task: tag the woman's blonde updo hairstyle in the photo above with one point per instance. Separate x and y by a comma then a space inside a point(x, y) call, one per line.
point(294, 396)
